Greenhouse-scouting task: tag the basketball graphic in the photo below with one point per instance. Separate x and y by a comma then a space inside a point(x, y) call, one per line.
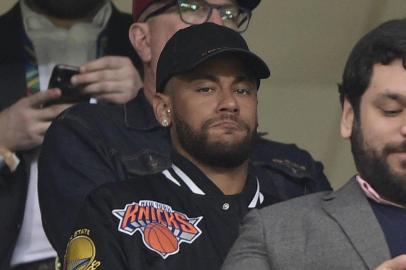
point(162, 228)
point(160, 238)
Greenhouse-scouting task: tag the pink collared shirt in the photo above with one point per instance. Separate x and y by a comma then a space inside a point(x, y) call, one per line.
point(372, 194)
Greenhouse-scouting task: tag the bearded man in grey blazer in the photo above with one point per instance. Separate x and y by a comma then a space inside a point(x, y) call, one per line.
point(363, 224)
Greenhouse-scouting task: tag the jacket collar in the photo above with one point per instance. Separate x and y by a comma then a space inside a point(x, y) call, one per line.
point(186, 175)
point(12, 79)
point(11, 48)
point(350, 209)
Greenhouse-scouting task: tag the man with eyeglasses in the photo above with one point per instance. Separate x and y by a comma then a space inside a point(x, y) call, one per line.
point(89, 145)
point(197, 12)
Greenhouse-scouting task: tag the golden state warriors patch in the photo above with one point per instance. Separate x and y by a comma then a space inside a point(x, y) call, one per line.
point(81, 252)
point(162, 228)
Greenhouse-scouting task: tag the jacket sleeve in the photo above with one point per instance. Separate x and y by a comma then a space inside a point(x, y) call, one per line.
point(95, 243)
point(73, 162)
point(249, 250)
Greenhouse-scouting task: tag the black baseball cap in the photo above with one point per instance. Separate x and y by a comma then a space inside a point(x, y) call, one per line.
point(191, 46)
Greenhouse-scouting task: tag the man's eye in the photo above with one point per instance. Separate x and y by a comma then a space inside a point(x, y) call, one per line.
point(243, 91)
point(392, 112)
point(205, 90)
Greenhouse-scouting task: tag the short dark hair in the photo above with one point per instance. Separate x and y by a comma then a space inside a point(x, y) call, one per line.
point(383, 45)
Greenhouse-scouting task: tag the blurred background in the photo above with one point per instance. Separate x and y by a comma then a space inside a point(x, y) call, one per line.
point(306, 44)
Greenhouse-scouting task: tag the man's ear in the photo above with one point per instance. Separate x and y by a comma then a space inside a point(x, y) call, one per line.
point(140, 39)
point(162, 109)
point(347, 119)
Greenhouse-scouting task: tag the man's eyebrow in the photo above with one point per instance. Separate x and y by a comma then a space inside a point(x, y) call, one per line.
point(246, 78)
point(213, 78)
point(390, 94)
point(201, 76)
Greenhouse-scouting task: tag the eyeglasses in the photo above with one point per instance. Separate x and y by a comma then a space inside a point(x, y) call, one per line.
point(200, 11)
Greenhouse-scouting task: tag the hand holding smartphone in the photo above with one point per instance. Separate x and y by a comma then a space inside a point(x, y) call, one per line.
point(61, 78)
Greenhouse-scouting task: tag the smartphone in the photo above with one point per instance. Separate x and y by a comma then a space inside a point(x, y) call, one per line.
point(61, 78)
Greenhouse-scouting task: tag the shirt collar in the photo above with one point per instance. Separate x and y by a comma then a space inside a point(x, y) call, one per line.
point(186, 175)
point(372, 194)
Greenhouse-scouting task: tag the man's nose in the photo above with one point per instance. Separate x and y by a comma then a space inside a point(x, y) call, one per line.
point(215, 17)
point(228, 102)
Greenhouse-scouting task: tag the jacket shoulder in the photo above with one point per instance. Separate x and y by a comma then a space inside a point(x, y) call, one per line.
point(91, 113)
point(287, 170)
point(281, 154)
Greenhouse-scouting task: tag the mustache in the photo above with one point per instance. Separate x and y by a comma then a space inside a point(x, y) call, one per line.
point(395, 148)
point(231, 117)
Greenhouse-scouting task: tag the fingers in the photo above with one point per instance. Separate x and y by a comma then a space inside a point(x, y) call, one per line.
point(116, 97)
point(111, 78)
point(397, 263)
point(23, 124)
point(97, 76)
point(41, 129)
point(36, 128)
point(43, 97)
point(118, 92)
point(51, 112)
point(35, 134)
point(106, 62)
point(109, 68)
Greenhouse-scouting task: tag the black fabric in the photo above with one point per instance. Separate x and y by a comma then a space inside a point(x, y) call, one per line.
point(47, 264)
point(393, 223)
point(116, 249)
point(13, 186)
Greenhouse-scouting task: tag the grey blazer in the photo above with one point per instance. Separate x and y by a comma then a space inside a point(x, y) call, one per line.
point(328, 230)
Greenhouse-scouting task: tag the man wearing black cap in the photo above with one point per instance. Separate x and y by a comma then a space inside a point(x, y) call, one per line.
point(90, 145)
point(187, 216)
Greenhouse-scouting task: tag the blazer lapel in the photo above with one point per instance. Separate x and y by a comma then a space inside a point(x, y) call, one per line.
point(350, 209)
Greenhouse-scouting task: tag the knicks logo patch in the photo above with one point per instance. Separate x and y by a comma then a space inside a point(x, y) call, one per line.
point(81, 252)
point(162, 228)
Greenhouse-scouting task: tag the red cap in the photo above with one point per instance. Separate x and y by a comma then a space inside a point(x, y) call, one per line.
point(139, 6)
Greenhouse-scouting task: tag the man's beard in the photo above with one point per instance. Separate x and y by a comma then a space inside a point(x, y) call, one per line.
point(373, 167)
point(68, 9)
point(217, 154)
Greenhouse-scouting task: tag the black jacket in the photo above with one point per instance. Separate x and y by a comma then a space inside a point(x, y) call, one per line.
point(93, 144)
point(177, 219)
point(13, 186)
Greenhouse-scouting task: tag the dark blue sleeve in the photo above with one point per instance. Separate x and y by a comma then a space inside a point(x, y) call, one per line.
point(73, 162)
point(94, 242)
